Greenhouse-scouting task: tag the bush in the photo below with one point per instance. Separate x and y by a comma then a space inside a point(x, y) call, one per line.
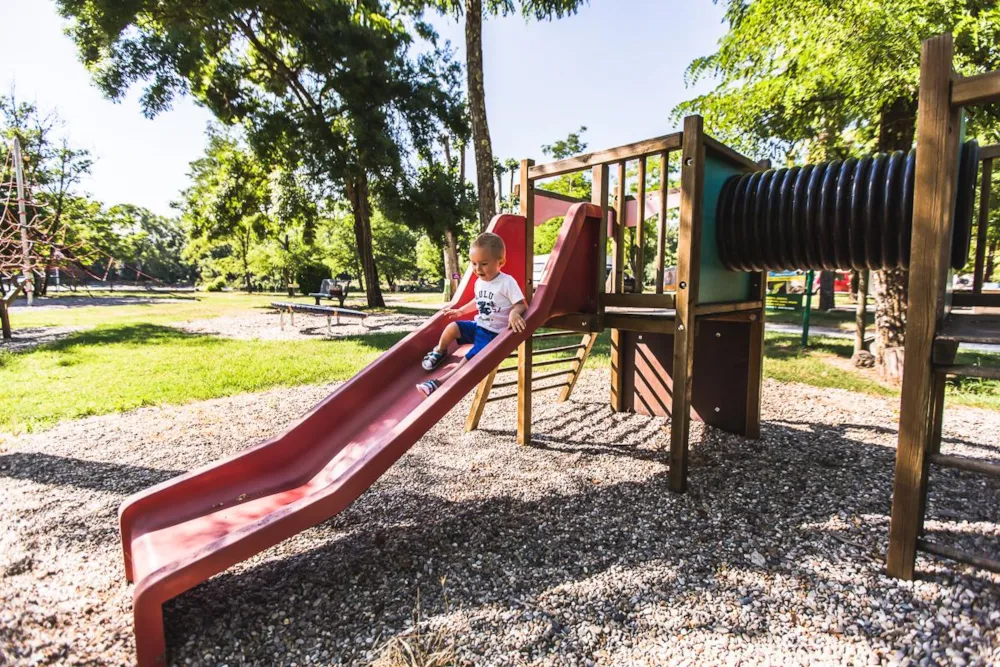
point(310, 276)
point(216, 284)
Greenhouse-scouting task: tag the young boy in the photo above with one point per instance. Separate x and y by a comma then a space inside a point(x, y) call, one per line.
point(498, 305)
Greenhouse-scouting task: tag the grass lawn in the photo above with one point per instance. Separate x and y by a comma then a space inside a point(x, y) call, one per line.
point(130, 357)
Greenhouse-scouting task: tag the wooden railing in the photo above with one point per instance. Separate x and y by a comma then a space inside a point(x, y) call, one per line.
point(600, 164)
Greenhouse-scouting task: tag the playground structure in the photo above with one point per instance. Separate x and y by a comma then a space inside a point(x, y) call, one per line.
point(695, 353)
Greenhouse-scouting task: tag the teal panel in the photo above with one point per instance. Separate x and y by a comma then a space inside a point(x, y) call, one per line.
point(717, 284)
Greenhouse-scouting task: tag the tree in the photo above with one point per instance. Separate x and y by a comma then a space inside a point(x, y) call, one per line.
point(228, 200)
point(330, 81)
point(831, 79)
point(576, 184)
point(436, 202)
point(473, 11)
point(429, 259)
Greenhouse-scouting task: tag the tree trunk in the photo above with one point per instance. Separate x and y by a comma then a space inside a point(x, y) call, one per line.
point(826, 296)
point(481, 143)
point(896, 129)
point(357, 194)
point(500, 192)
point(4, 319)
point(450, 263)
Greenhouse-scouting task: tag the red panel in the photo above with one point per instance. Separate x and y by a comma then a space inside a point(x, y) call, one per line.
point(180, 533)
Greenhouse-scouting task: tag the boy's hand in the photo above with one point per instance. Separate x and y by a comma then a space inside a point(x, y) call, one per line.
point(452, 313)
point(516, 322)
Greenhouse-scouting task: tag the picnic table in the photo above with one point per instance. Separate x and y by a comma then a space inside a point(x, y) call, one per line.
point(332, 313)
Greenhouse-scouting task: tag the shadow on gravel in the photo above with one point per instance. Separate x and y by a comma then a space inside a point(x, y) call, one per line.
point(135, 334)
point(117, 478)
point(609, 549)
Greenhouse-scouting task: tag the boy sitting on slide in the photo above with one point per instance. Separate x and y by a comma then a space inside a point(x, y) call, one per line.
point(498, 305)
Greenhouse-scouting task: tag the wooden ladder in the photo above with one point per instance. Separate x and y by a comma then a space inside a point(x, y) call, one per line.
point(580, 351)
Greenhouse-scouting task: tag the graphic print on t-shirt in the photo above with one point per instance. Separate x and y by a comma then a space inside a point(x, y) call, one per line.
point(494, 299)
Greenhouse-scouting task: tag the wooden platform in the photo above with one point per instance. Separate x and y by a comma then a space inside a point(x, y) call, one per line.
point(970, 328)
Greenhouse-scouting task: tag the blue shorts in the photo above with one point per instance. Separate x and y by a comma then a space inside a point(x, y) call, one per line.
point(470, 332)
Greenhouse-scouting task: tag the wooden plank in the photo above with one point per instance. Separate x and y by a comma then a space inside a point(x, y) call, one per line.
point(599, 195)
point(688, 272)
point(982, 562)
point(938, 125)
point(978, 329)
point(524, 352)
point(973, 90)
point(958, 370)
point(661, 221)
point(724, 151)
point(640, 234)
point(580, 322)
point(479, 401)
point(729, 307)
point(755, 365)
point(639, 301)
point(970, 300)
point(642, 323)
point(536, 378)
point(627, 152)
point(577, 369)
point(618, 242)
point(617, 371)
point(966, 464)
point(554, 334)
point(989, 152)
point(561, 348)
point(983, 226)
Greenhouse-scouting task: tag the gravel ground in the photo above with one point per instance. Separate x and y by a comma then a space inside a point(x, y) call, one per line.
point(572, 552)
point(77, 301)
point(267, 325)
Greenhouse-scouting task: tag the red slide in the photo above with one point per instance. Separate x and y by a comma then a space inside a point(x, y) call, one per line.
point(178, 534)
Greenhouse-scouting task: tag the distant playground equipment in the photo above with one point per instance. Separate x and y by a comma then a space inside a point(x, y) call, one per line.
point(333, 288)
point(695, 353)
point(332, 314)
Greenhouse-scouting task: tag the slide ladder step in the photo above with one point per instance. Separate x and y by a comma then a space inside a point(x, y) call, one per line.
point(976, 560)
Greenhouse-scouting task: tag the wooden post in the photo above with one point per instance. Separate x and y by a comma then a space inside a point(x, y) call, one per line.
point(938, 129)
point(617, 287)
point(22, 217)
point(640, 235)
point(861, 312)
point(479, 402)
point(618, 243)
point(599, 196)
point(576, 366)
point(688, 270)
point(661, 222)
point(524, 356)
point(984, 223)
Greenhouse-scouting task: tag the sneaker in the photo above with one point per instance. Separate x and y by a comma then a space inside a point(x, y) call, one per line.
point(428, 388)
point(432, 360)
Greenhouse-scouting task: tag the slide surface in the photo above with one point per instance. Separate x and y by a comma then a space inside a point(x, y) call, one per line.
point(180, 533)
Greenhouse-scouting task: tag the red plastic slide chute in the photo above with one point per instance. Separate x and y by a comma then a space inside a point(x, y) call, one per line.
point(179, 533)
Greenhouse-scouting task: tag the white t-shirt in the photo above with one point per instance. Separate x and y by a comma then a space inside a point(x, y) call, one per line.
point(494, 299)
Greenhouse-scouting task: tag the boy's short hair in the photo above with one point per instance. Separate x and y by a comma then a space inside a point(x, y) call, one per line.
point(492, 244)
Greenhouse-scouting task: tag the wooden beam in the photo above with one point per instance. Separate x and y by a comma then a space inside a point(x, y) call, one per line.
point(479, 401)
point(972, 90)
point(688, 274)
point(598, 158)
point(938, 129)
point(643, 323)
point(599, 196)
point(639, 301)
point(581, 322)
point(640, 235)
point(524, 353)
point(661, 221)
point(722, 150)
point(618, 242)
point(970, 300)
point(982, 562)
point(983, 226)
point(728, 307)
point(558, 195)
point(989, 152)
point(577, 368)
point(755, 364)
point(967, 464)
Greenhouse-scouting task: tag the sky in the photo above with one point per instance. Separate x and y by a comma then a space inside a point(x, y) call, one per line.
point(617, 68)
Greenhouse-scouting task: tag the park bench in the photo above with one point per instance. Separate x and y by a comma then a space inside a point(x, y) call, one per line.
point(332, 313)
point(332, 289)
